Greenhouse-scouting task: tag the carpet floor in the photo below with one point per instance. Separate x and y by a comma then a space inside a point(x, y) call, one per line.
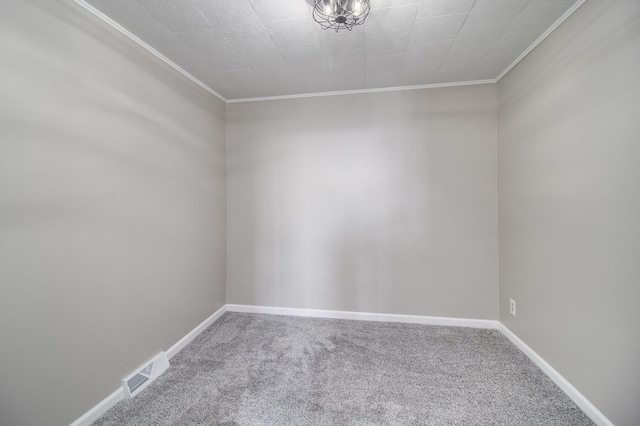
point(251, 369)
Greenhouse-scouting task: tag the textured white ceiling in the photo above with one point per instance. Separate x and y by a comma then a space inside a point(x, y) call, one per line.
point(261, 48)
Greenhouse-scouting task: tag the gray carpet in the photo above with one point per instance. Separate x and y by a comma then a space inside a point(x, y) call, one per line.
point(249, 369)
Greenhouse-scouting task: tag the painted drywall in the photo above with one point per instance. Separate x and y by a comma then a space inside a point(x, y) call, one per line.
point(380, 202)
point(569, 203)
point(112, 209)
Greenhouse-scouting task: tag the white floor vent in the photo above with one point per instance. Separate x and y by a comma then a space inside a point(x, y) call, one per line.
point(135, 383)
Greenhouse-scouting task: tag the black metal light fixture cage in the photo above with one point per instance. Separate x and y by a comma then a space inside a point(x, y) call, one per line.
point(339, 14)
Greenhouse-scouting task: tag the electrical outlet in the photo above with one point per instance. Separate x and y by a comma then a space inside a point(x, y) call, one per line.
point(512, 307)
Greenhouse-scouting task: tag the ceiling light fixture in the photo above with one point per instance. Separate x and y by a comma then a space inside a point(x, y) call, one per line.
point(340, 14)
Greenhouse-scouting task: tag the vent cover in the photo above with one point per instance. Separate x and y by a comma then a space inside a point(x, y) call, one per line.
point(136, 382)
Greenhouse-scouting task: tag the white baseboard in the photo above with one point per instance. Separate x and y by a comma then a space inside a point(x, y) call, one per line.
point(365, 316)
point(587, 407)
point(173, 350)
point(103, 406)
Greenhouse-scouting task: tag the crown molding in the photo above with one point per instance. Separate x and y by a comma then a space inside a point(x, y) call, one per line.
point(360, 91)
point(127, 33)
point(542, 37)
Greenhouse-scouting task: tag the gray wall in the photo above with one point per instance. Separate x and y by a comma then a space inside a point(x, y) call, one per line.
point(382, 202)
point(112, 205)
point(112, 209)
point(569, 197)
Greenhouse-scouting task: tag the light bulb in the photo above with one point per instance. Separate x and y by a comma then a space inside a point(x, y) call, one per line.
point(327, 7)
point(357, 8)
